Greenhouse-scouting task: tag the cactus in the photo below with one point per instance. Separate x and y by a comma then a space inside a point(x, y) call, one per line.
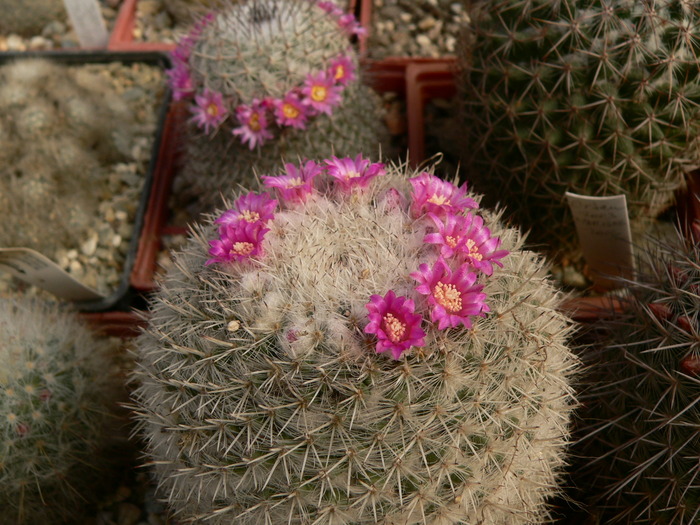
point(641, 439)
point(29, 17)
point(270, 80)
point(597, 98)
point(58, 407)
point(373, 351)
point(58, 133)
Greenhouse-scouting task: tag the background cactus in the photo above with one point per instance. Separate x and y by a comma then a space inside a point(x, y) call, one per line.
point(641, 437)
point(598, 98)
point(262, 398)
point(28, 17)
point(60, 127)
point(248, 66)
point(58, 408)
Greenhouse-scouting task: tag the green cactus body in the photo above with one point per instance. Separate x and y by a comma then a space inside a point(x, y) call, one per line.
point(28, 17)
point(263, 399)
point(642, 421)
point(597, 98)
point(256, 56)
point(58, 400)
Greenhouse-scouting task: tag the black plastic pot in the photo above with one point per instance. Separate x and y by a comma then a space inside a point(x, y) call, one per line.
point(123, 297)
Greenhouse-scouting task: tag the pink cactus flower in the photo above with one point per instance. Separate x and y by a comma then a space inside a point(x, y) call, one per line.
point(254, 124)
point(290, 111)
point(466, 237)
point(392, 199)
point(297, 184)
point(350, 25)
point(250, 207)
point(392, 320)
point(342, 70)
point(180, 81)
point(454, 297)
point(209, 110)
point(237, 241)
point(434, 195)
point(321, 94)
point(349, 173)
point(331, 8)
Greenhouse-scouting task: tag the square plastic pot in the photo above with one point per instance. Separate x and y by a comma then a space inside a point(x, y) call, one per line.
point(159, 166)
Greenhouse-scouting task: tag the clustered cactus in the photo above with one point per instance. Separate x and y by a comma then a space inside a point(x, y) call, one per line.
point(59, 127)
point(358, 346)
point(641, 437)
point(598, 98)
point(58, 406)
point(29, 17)
point(269, 80)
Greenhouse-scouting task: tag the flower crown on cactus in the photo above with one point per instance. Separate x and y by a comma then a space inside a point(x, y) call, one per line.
point(254, 123)
point(448, 287)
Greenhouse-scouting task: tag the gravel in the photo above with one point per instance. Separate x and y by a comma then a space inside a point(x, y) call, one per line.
point(425, 28)
point(57, 34)
point(97, 259)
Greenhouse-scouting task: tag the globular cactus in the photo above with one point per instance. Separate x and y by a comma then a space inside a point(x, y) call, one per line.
point(28, 17)
point(598, 98)
point(58, 413)
point(641, 435)
point(60, 127)
point(365, 348)
point(269, 80)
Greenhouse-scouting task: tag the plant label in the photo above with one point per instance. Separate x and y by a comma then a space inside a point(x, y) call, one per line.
point(88, 23)
point(34, 268)
point(603, 228)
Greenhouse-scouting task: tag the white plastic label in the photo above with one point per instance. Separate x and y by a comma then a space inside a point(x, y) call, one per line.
point(34, 268)
point(88, 23)
point(603, 228)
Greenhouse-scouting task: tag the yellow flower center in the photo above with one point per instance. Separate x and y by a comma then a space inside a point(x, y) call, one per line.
point(393, 328)
point(339, 72)
point(352, 174)
point(473, 250)
point(448, 296)
point(213, 110)
point(242, 248)
point(440, 200)
point(254, 122)
point(451, 241)
point(250, 216)
point(319, 93)
point(290, 111)
point(294, 182)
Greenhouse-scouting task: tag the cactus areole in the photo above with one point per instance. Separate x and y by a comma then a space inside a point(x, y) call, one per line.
point(353, 346)
point(593, 97)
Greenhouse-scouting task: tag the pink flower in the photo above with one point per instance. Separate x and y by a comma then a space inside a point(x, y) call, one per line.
point(297, 184)
point(453, 296)
point(251, 207)
point(348, 172)
point(467, 237)
point(342, 70)
point(392, 199)
point(350, 25)
point(209, 111)
point(321, 93)
point(392, 320)
point(331, 8)
point(432, 194)
point(237, 241)
point(290, 111)
point(254, 124)
point(180, 81)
